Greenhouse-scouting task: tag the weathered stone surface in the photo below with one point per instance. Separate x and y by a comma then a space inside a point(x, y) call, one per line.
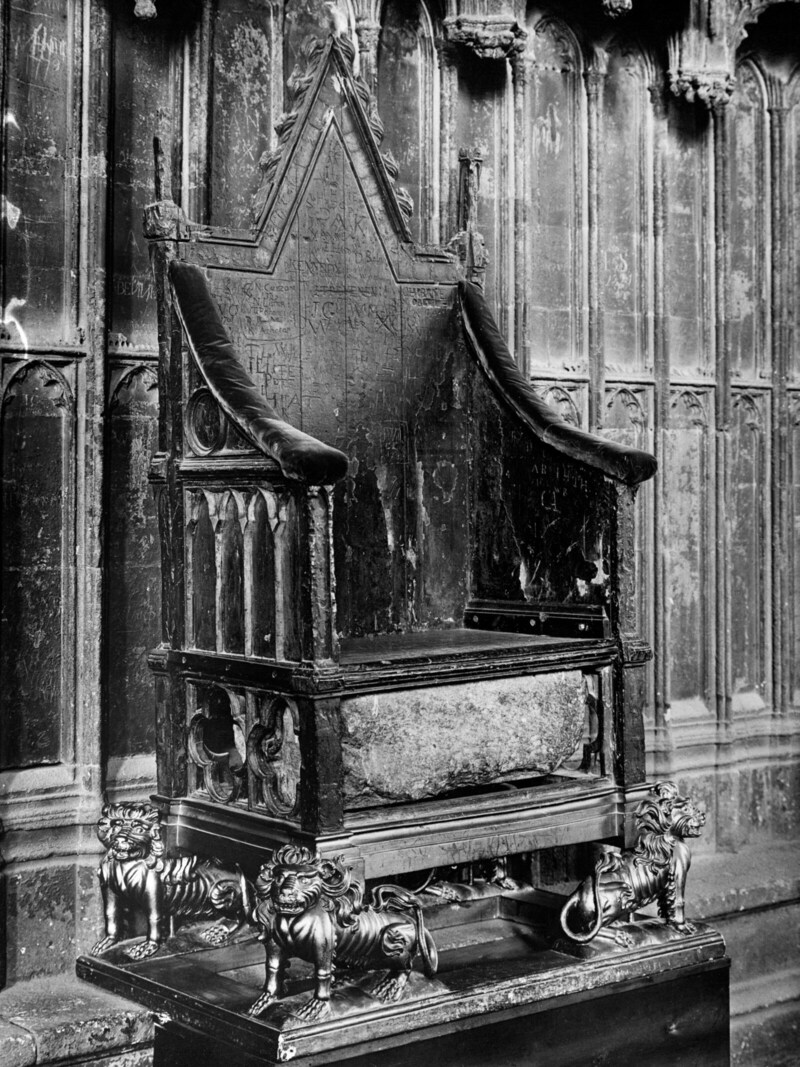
point(69, 1020)
point(40, 921)
point(17, 1047)
point(406, 746)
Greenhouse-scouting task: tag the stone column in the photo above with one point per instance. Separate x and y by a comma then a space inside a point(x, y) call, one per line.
point(594, 78)
point(521, 72)
point(780, 202)
point(661, 745)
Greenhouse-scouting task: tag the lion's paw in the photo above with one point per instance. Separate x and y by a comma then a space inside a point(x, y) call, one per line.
point(684, 927)
point(103, 944)
point(216, 935)
point(260, 1005)
point(143, 950)
point(623, 938)
point(390, 987)
point(313, 1010)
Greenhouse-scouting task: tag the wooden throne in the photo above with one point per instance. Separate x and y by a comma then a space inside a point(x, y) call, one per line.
point(398, 589)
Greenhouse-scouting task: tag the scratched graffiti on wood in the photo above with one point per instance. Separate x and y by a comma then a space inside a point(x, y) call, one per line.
point(347, 350)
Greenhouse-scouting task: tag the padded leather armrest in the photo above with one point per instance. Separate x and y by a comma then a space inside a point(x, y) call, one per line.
point(628, 465)
point(299, 455)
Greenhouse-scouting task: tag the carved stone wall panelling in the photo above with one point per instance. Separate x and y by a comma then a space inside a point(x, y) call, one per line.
point(689, 540)
point(628, 419)
point(749, 227)
point(659, 747)
point(41, 132)
point(521, 63)
point(687, 253)
point(625, 174)
point(793, 187)
point(750, 557)
point(557, 308)
point(481, 121)
point(793, 584)
point(594, 77)
point(38, 573)
point(720, 338)
point(133, 562)
point(245, 89)
point(448, 165)
point(146, 67)
point(408, 101)
point(784, 233)
point(569, 400)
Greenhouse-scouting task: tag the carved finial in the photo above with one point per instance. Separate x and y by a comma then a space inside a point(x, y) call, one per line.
point(145, 9)
point(337, 19)
point(615, 8)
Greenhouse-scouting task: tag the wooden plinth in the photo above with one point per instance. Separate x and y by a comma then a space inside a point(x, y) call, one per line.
point(501, 997)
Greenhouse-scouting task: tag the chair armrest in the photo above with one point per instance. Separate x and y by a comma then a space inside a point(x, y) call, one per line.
point(300, 456)
point(514, 391)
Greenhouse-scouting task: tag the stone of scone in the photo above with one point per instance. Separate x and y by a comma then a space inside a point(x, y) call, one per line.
point(424, 742)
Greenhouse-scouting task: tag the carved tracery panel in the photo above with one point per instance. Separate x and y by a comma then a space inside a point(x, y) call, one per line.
point(37, 571)
point(625, 211)
point(408, 94)
point(41, 144)
point(628, 420)
point(794, 546)
point(687, 539)
point(133, 568)
point(688, 259)
point(750, 571)
point(557, 292)
point(749, 226)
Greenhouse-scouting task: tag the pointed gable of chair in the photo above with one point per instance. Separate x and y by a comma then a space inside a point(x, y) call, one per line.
point(327, 299)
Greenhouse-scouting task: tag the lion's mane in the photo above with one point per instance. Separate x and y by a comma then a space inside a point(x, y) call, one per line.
point(338, 893)
point(141, 820)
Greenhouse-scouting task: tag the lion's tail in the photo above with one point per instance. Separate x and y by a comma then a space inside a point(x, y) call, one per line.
point(393, 896)
point(573, 901)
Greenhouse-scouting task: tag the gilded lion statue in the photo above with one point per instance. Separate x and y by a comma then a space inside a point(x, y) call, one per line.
point(310, 908)
point(655, 869)
point(135, 873)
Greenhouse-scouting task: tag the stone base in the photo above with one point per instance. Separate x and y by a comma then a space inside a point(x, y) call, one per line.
point(59, 1020)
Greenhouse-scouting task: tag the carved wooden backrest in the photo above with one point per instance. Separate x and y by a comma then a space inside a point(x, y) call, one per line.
point(348, 330)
